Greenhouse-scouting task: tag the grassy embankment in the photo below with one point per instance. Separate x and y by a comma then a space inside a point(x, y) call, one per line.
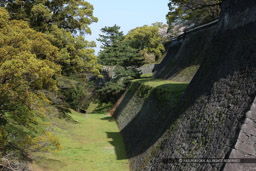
point(91, 144)
point(164, 89)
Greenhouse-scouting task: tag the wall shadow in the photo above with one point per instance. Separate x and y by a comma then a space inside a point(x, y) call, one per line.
point(152, 119)
point(118, 143)
point(226, 79)
point(129, 95)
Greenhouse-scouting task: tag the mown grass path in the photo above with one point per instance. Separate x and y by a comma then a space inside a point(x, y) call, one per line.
point(92, 144)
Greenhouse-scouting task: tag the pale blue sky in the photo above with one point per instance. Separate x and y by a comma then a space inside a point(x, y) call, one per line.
point(127, 14)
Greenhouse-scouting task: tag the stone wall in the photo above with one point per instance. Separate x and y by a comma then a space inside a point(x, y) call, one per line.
point(246, 144)
point(141, 115)
point(214, 107)
point(211, 117)
point(184, 55)
point(147, 69)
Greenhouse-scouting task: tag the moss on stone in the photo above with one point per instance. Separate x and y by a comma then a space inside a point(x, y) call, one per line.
point(165, 91)
point(186, 73)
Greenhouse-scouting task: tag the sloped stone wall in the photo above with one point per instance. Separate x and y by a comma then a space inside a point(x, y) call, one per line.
point(210, 118)
point(142, 114)
point(213, 109)
point(147, 69)
point(184, 55)
point(246, 144)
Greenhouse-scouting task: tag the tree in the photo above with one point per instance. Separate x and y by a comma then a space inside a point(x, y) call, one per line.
point(27, 65)
point(65, 22)
point(62, 21)
point(71, 15)
point(111, 36)
point(147, 40)
point(77, 55)
point(192, 12)
point(117, 52)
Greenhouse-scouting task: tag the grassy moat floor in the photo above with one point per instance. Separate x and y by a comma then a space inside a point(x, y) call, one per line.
point(94, 143)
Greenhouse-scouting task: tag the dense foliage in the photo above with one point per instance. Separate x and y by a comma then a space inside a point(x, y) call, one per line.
point(41, 42)
point(147, 40)
point(77, 91)
point(65, 23)
point(61, 21)
point(27, 65)
point(192, 12)
point(117, 52)
point(70, 15)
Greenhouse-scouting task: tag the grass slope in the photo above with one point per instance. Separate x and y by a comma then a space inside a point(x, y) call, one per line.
point(92, 144)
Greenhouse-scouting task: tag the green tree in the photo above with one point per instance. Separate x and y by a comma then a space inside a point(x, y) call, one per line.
point(192, 12)
point(72, 15)
point(111, 36)
point(147, 40)
point(65, 22)
point(62, 21)
point(117, 52)
point(27, 66)
point(77, 55)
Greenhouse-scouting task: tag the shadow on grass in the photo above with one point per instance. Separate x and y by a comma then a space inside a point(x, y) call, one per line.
point(102, 109)
point(118, 143)
point(108, 118)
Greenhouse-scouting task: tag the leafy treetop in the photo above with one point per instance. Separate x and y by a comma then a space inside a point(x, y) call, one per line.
point(71, 15)
point(192, 12)
point(116, 51)
point(61, 20)
point(147, 39)
point(27, 65)
point(110, 36)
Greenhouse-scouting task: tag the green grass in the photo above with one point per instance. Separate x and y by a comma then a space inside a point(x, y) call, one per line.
point(186, 74)
point(165, 92)
point(149, 75)
point(167, 85)
point(93, 144)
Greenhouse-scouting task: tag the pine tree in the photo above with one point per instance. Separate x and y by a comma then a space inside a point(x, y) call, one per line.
point(117, 52)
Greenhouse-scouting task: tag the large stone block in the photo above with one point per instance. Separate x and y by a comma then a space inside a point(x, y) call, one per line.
point(245, 148)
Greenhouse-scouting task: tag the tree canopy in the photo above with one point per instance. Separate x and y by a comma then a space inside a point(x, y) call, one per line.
point(71, 15)
point(115, 51)
point(27, 65)
point(63, 21)
point(147, 40)
point(110, 36)
point(192, 12)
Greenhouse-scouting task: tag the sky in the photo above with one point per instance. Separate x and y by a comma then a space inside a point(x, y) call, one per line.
point(128, 14)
